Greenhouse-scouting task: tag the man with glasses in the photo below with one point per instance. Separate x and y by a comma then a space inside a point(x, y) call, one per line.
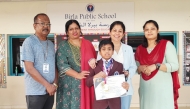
point(39, 61)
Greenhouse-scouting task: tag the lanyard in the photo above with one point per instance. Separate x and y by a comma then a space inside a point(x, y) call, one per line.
point(107, 70)
point(45, 51)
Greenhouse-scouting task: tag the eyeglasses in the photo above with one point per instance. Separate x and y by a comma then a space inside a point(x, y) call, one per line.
point(44, 24)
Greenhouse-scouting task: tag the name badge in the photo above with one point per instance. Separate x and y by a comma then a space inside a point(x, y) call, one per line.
point(45, 68)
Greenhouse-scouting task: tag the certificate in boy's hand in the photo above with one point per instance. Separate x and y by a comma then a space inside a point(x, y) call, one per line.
point(110, 87)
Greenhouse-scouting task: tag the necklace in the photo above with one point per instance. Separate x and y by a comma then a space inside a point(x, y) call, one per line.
point(77, 45)
point(150, 49)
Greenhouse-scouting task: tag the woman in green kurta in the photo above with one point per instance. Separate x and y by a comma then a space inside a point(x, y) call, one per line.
point(68, 57)
point(72, 57)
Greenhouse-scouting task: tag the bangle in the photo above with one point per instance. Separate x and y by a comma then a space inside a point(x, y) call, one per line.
point(55, 85)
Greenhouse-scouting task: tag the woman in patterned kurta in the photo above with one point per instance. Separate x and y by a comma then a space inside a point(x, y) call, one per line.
point(71, 59)
point(157, 62)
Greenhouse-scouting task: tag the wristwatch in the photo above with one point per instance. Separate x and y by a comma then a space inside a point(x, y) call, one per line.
point(158, 66)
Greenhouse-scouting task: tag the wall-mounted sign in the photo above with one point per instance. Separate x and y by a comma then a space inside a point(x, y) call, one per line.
point(93, 17)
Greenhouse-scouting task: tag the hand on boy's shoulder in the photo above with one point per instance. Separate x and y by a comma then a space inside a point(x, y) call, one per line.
point(92, 63)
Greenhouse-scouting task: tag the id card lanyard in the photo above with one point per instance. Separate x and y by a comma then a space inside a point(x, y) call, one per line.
point(45, 64)
point(45, 52)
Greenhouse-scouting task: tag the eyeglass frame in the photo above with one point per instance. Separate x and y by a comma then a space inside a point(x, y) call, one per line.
point(44, 24)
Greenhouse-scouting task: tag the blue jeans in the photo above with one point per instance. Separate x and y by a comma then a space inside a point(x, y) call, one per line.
point(126, 101)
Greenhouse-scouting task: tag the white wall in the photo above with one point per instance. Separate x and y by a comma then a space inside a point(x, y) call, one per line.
point(17, 18)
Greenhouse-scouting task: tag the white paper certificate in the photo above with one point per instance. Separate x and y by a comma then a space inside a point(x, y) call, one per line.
point(111, 89)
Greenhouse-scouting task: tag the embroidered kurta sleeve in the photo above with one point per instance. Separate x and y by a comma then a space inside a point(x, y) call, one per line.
point(171, 58)
point(62, 59)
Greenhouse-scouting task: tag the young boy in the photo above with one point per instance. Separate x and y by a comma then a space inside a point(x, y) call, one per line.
point(106, 66)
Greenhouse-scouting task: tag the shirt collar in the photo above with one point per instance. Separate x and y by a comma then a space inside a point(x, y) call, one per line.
point(104, 61)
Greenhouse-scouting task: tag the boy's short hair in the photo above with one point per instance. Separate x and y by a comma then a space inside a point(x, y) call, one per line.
point(105, 42)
